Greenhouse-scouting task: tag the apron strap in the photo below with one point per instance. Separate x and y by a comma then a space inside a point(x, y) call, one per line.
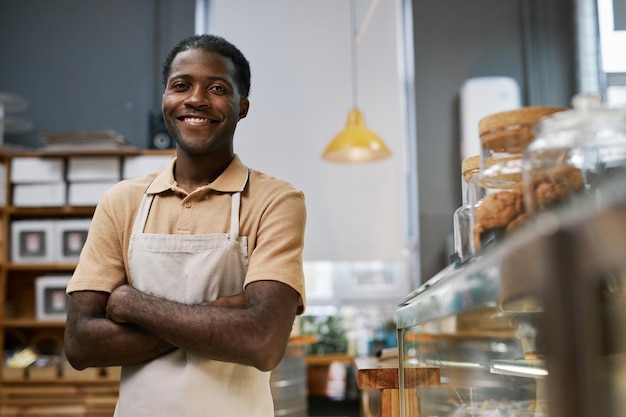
point(234, 216)
point(142, 214)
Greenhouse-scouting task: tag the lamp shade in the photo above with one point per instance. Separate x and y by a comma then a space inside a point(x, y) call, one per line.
point(356, 143)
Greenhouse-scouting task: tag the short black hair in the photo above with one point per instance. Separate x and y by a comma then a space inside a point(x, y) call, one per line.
point(213, 43)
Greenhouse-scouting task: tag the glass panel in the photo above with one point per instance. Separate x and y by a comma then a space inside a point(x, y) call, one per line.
point(614, 301)
point(489, 324)
point(483, 367)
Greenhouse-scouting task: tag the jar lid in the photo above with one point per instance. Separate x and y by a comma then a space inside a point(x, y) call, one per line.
point(469, 166)
point(502, 130)
point(587, 121)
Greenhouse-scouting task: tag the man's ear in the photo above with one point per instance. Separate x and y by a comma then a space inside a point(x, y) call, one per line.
point(244, 105)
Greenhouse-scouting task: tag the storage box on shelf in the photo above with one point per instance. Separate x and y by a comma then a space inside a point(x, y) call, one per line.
point(37, 181)
point(534, 326)
point(89, 177)
point(138, 165)
point(43, 226)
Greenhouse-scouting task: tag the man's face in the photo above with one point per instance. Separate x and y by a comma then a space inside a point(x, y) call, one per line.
point(201, 103)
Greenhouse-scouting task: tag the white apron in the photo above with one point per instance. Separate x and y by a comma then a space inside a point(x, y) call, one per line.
point(190, 269)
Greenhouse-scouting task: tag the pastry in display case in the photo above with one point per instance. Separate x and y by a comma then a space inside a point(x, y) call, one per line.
point(535, 158)
point(498, 203)
point(536, 326)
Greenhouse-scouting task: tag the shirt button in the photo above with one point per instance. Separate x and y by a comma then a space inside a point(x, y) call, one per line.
point(187, 204)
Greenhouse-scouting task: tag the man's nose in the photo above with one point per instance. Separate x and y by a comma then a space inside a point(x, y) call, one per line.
point(197, 97)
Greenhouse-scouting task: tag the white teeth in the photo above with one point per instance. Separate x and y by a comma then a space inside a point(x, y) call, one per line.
point(195, 120)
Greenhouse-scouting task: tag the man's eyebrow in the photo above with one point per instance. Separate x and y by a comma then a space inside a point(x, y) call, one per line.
point(209, 78)
point(217, 78)
point(173, 76)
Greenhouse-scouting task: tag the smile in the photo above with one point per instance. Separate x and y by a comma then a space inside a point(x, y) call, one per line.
point(197, 120)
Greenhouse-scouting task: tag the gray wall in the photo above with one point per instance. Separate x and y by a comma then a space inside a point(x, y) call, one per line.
point(88, 64)
point(529, 40)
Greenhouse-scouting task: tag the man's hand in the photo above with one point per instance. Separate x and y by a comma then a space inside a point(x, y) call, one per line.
point(231, 301)
point(117, 301)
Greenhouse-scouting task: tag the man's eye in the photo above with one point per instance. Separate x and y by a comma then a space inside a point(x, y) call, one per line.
point(179, 86)
point(218, 89)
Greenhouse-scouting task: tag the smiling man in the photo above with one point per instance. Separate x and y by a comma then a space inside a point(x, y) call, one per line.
point(190, 278)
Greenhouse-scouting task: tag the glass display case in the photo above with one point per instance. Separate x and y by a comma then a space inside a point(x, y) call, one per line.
point(535, 326)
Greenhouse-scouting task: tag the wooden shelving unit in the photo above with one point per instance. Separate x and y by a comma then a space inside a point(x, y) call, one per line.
point(58, 390)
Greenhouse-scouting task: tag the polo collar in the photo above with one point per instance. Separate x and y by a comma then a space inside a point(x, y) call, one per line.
point(232, 180)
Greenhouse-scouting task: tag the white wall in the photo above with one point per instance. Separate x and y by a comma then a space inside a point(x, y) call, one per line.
point(299, 53)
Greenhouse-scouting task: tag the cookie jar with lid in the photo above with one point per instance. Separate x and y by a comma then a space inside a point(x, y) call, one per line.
point(463, 241)
point(504, 137)
point(573, 150)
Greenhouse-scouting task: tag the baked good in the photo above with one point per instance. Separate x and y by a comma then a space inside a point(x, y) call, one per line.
point(494, 214)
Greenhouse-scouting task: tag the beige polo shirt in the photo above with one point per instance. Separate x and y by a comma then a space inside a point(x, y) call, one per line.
point(272, 217)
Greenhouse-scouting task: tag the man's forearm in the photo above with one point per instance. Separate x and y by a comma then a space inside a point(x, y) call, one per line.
point(93, 340)
point(115, 344)
point(252, 332)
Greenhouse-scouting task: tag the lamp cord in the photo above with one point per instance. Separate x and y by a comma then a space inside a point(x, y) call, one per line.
point(353, 34)
point(356, 37)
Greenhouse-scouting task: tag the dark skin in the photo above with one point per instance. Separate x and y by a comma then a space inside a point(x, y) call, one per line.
point(201, 107)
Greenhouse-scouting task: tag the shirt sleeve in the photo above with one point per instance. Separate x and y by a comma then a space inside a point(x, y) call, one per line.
point(277, 254)
point(101, 266)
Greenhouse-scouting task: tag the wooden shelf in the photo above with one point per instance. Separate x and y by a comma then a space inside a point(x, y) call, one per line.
point(12, 153)
point(59, 398)
point(461, 335)
point(36, 267)
point(323, 360)
point(7, 152)
point(18, 212)
point(37, 392)
point(62, 381)
point(302, 340)
point(31, 323)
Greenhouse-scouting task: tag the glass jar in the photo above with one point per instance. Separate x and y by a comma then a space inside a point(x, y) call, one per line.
point(573, 151)
point(505, 136)
point(499, 207)
point(463, 240)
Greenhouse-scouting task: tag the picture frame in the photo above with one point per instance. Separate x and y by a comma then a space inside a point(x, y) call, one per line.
point(70, 235)
point(51, 301)
point(32, 241)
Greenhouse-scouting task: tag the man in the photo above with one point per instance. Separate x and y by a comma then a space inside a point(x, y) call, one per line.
point(191, 278)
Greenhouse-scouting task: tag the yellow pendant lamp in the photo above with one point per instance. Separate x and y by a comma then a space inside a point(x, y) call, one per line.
point(356, 143)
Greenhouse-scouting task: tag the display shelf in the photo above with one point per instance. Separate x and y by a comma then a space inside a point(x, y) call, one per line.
point(532, 324)
point(31, 323)
point(38, 267)
point(486, 335)
point(535, 369)
point(59, 398)
point(60, 211)
point(71, 382)
point(43, 393)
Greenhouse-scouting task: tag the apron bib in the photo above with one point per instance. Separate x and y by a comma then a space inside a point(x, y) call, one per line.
point(190, 269)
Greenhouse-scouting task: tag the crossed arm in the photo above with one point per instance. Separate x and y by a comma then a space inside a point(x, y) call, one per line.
point(129, 326)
